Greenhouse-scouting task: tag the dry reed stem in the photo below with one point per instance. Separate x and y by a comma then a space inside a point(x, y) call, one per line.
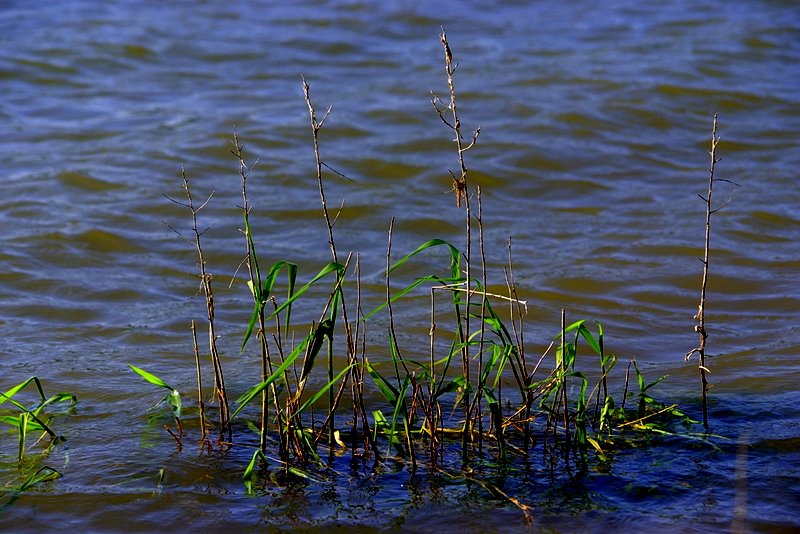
point(316, 126)
point(648, 416)
point(255, 280)
point(392, 334)
point(700, 327)
point(460, 186)
point(200, 402)
point(205, 280)
point(457, 287)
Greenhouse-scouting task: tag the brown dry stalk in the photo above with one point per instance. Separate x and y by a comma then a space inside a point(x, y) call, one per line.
point(316, 126)
point(205, 280)
point(460, 186)
point(200, 402)
point(700, 327)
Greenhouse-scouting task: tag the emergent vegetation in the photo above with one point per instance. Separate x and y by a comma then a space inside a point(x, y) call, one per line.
point(559, 403)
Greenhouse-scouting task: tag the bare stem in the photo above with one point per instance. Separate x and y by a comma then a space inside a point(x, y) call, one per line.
point(563, 373)
point(316, 126)
point(200, 402)
point(700, 327)
point(460, 187)
point(205, 277)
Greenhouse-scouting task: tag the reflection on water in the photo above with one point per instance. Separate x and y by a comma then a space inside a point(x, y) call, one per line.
point(594, 130)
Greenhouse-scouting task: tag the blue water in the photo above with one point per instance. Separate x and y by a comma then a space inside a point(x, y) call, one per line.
point(595, 125)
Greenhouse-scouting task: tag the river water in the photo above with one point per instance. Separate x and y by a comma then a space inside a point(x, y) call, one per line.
point(595, 127)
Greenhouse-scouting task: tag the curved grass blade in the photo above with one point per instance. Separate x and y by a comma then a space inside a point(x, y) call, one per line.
point(413, 285)
point(16, 389)
point(43, 474)
point(455, 256)
point(250, 394)
point(173, 397)
point(261, 295)
point(249, 473)
point(323, 330)
point(307, 404)
point(153, 379)
point(389, 391)
point(329, 268)
point(23, 433)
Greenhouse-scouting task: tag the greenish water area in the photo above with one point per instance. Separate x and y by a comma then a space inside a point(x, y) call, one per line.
point(595, 124)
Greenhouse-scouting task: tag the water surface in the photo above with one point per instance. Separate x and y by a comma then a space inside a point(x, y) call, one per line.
point(595, 125)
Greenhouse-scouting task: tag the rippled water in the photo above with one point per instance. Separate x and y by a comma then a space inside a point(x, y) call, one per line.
point(595, 122)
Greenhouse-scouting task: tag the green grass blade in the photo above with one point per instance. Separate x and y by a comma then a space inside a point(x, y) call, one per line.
point(329, 268)
point(389, 391)
point(413, 285)
point(451, 386)
point(249, 473)
point(19, 387)
point(43, 474)
point(22, 433)
point(455, 256)
point(261, 295)
point(310, 402)
point(323, 330)
point(153, 379)
point(291, 278)
point(250, 394)
point(57, 398)
point(251, 249)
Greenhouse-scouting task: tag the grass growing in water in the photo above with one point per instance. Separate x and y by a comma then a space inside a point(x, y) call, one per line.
point(560, 403)
point(25, 422)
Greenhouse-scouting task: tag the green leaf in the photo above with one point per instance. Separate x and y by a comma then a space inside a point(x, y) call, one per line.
point(251, 393)
point(262, 295)
point(323, 330)
point(455, 256)
point(43, 474)
point(16, 389)
point(453, 385)
point(413, 285)
point(153, 379)
point(23, 433)
point(389, 391)
point(174, 399)
point(249, 473)
point(332, 267)
point(310, 402)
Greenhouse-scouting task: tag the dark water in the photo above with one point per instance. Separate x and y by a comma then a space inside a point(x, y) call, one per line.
point(595, 125)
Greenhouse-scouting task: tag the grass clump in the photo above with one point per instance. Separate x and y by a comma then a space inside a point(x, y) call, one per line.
point(27, 422)
point(479, 397)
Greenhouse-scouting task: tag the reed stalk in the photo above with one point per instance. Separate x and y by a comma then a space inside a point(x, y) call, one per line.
point(461, 189)
point(700, 327)
point(200, 402)
point(316, 126)
point(205, 281)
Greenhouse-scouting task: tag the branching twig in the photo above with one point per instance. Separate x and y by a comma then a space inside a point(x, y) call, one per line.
point(460, 186)
point(205, 280)
point(700, 327)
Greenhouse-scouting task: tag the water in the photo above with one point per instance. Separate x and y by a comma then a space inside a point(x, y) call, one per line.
point(595, 124)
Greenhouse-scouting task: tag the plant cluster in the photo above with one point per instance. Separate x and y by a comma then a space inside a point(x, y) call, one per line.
point(28, 421)
point(478, 387)
point(478, 391)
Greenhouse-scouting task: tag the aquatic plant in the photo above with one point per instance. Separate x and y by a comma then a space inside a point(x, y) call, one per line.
point(32, 420)
point(700, 327)
point(27, 420)
point(478, 365)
